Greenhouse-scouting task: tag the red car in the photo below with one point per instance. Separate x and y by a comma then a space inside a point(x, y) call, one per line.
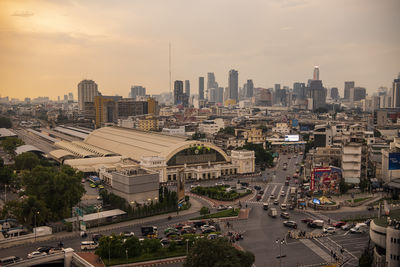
point(288, 178)
point(338, 224)
point(308, 220)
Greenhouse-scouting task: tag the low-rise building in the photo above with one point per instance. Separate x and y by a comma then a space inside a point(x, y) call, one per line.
point(211, 127)
point(351, 163)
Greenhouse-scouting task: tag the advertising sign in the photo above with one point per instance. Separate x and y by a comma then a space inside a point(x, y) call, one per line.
point(292, 138)
point(394, 161)
point(326, 179)
point(295, 123)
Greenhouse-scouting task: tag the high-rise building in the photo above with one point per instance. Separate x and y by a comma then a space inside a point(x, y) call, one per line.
point(178, 92)
point(70, 97)
point(334, 93)
point(210, 80)
point(87, 90)
point(359, 93)
point(396, 92)
point(318, 94)
point(316, 73)
point(201, 88)
point(233, 85)
point(187, 88)
point(130, 107)
point(106, 109)
point(220, 95)
point(249, 88)
point(137, 90)
point(58, 98)
point(65, 98)
point(347, 86)
point(299, 89)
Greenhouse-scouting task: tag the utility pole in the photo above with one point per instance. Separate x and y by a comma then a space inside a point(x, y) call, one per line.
point(280, 241)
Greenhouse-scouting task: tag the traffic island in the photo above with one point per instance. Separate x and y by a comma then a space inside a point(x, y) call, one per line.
point(297, 234)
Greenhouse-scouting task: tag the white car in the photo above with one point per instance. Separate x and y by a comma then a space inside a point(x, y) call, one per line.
point(330, 230)
point(194, 186)
point(36, 254)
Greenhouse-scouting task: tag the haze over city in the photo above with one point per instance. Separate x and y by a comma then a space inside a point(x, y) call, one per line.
point(48, 47)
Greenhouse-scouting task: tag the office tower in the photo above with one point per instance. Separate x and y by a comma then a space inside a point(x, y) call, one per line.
point(58, 98)
point(220, 95)
point(299, 89)
point(249, 88)
point(334, 93)
point(396, 92)
point(178, 92)
point(70, 97)
point(65, 98)
point(211, 80)
point(279, 94)
point(106, 109)
point(201, 88)
point(359, 93)
point(137, 90)
point(318, 94)
point(347, 87)
point(213, 95)
point(316, 73)
point(233, 85)
point(130, 107)
point(187, 88)
point(87, 90)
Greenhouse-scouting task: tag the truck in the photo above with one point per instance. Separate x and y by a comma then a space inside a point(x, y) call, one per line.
point(272, 212)
point(149, 231)
point(292, 190)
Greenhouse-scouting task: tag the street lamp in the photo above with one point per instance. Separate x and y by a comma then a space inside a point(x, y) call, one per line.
point(280, 241)
point(109, 248)
point(126, 252)
point(187, 247)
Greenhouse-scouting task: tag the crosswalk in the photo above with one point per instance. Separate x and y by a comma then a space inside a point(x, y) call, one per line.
point(316, 249)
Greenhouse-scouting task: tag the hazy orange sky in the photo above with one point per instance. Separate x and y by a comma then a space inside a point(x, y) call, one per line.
point(47, 47)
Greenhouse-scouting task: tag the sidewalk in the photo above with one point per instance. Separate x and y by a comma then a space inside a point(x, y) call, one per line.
point(195, 207)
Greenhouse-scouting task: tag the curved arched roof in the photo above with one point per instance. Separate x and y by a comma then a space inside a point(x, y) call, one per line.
point(27, 148)
point(136, 144)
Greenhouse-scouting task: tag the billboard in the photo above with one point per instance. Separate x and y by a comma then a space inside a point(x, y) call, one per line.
point(292, 138)
point(295, 123)
point(326, 179)
point(394, 161)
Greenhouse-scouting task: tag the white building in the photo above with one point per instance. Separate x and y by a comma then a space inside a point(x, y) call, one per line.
point(244, 159)
point(351, 163)
point(282, 128)
point(87, 90)
point(174, 131)
point(211, 127)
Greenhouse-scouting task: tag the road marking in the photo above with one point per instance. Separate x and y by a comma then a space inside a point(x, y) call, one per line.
point(265, 192)
point(343, 248)
point(316, 249)
point(273, 191)
point(287, 195)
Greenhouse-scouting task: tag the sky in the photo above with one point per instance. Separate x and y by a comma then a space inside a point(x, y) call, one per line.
point(48, 47)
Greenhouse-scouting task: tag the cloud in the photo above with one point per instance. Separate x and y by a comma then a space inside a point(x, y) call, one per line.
point(23, 13)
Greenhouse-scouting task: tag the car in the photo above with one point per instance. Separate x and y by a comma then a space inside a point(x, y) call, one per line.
point(369, 207)
point(283, 206)
point(207, 231)
point(285, 215)
point(83, 180)
point(272, 196)
point(289, 157)
point(55, 250)
point(179, 226)
point(338, 224)
point(101, 186)
point(257, 187)
point(45, 249)
point(172, 234)
point(96, 237)
point(297, 163)
point(258, 197)
point(199, 224)
point(329, 230)
point(291, 224)
point(165, 241)
point(287, 183)
point(36, 254)
point(307, 220)
point(188, 230)
point(92, 185)
point(368, 221)
point(288, 178)
point(219, 183)
point(283, 193)
point(276, 202)
point(347, 226)
point(170, 229)
point(128, 234)
point(221, 207)
point(194, 186)
point(261, 191)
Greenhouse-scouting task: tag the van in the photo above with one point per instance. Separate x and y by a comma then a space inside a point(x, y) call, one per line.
point(359, 228)
point(317, 224)
point(88, 245)
point(283, 206)
point(9, 260)
point(273, 212)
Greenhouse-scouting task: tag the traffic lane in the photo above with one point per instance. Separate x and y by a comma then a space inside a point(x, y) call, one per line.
point(261, 234)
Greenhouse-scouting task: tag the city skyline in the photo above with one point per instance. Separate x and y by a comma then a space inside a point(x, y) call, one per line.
point(50, 47)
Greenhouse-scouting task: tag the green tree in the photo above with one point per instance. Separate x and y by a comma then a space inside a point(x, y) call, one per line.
point(6, 175)
point(132, 244)
point(112, 246)
point(60, 190)
point(10, 144)
point(230, 130)
point(263, 157)
point(151, 245)
point(5, 122)
point(204, 211)
point(198, 136)
point(26, 161)
point(217, 252)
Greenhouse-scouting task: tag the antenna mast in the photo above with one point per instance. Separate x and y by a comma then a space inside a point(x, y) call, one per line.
point(170, 68)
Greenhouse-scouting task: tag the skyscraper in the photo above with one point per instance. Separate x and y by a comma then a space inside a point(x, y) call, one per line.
point(233, 85)
point(70, 97)
point(396, 92)
point(187, 88)
point(299, 89)
point(334, 93)
point(201, 88)
point(178, 92)
point(87, 90)
point(318, 94)
point(137, 90)
point(359, 93)
point(347, 86)
point(249, 88)
point(220, 95)
point(210, 80)
point(316, 73)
